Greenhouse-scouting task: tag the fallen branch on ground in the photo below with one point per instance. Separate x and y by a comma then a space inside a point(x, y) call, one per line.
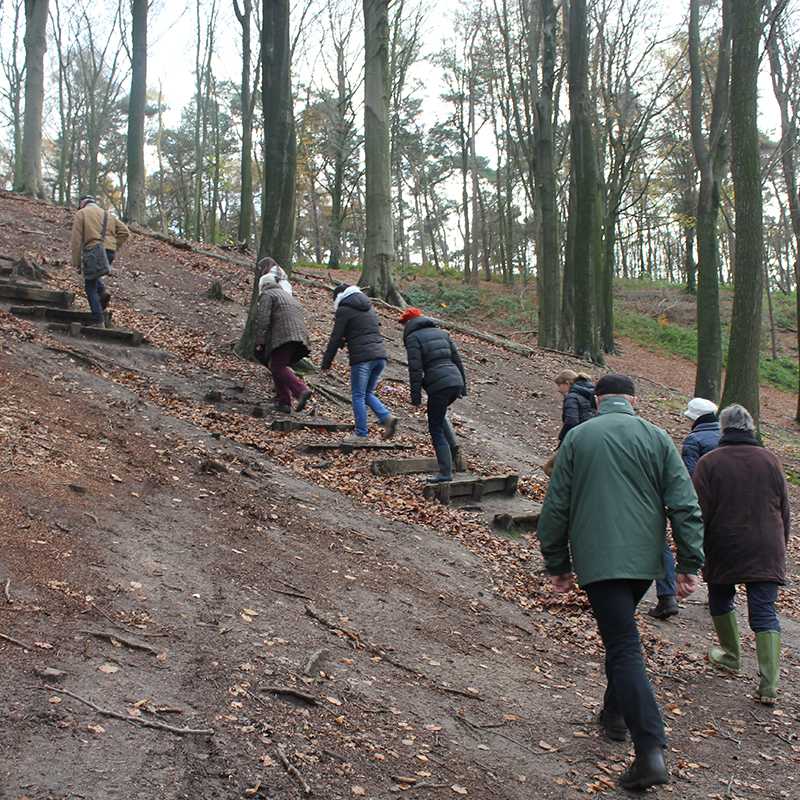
point(292, 769)
point(113, 636)
point(17, 642)
point(145, 723)
point(7, 591)
point(291, 594)
point(291, 692)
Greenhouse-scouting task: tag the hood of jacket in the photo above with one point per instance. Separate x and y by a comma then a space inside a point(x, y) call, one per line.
point(583, 388)
point(417, 323)
point(352, 296)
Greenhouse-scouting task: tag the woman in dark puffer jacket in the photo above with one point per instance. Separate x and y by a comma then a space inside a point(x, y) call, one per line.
point(578, 405)
point(434, 365)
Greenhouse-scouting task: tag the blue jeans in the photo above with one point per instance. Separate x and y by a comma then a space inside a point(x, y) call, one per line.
point(364, 378)
point(95, 288)
point(761, 597)
point(666, 586)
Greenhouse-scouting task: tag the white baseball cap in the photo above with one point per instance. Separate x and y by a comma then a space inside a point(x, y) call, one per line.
point(698, 406)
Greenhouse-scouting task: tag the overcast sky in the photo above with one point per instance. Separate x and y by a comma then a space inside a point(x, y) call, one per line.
point(172, 55)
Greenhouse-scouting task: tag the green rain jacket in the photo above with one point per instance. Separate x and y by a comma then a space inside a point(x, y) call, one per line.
point(616, 480)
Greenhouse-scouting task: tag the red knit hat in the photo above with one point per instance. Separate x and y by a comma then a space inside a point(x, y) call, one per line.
point(409, 313)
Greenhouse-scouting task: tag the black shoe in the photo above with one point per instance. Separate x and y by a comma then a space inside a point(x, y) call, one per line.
point(666, 607)
point(282, 408)
point(613, 726)
point(303, 400)
point(440, 479)
point(105, 300)
point(648, 769)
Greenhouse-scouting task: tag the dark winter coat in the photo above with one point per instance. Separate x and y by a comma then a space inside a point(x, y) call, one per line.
point(279, 321)
point(617, 479)
point(578, 406)
point(433, 360)
point(745, 505)
point(357, 327)
point(703, 439)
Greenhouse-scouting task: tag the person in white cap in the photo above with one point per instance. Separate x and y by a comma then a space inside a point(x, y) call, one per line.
point(703, 439)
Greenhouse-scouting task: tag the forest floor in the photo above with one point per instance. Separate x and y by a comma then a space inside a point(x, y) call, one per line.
point(182, 565)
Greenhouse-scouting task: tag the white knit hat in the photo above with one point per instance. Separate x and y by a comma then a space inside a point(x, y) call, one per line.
point(698, 406)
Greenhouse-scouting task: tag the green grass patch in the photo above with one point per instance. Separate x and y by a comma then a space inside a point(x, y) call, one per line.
point(681, 341)
point(444, 300)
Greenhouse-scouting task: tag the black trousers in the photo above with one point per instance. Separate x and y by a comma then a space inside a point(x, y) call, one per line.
point(442, 434)
point(628, 691)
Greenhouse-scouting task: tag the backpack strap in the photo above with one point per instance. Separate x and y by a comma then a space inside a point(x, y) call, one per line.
point(105, 228)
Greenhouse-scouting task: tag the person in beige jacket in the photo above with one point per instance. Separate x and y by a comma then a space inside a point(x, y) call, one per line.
point(87, 228)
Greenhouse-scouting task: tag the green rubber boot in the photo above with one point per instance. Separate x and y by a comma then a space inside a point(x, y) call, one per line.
point(768, 650)
point(728, 654)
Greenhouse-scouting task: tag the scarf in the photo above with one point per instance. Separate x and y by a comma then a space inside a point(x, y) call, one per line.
point(736, 436)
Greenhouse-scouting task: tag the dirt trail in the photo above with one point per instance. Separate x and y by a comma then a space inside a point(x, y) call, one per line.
point(131, 504)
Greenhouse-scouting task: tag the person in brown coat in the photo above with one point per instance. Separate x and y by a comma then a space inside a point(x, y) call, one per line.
point(743, 496)
point(281, 340)
point(92, 226)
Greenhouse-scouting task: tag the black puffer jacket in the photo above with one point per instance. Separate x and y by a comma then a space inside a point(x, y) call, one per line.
point(357, 326)
point(578, 406)
point(433, 360)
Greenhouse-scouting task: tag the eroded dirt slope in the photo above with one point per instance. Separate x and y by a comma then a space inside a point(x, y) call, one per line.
point(185, 566)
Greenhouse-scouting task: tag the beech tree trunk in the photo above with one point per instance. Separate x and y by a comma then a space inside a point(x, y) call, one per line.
point(280, 153)
point(246, 194)
point(379, 244)
point(30, 181)
point(548, 250)
point(136, 110)
point(584, 233)
point(742, 376)
point(711, 156)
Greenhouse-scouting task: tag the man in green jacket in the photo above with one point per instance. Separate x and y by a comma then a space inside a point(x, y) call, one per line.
point(617, 479)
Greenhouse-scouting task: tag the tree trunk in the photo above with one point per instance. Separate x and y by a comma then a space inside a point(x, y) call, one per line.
point(379, 244)
point(585, 235)
point(280, 153)
point(711, 158)
point(548, 250)
point(136, 110)
point(742, 376)
point(245, 232)
point(35, 47)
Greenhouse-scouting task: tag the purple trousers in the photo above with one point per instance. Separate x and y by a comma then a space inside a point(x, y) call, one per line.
point(287, 384)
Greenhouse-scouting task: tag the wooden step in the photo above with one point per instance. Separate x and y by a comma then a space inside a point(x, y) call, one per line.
point(410, 466)
point(287, 425)
point(57, 314)
point(118, 335)
point(33, 294)
point(523, 522)
point(471, 489)
point(346, 447)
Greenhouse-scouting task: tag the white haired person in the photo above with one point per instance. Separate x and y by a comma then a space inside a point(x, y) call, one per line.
point(281, 341)
point(269, 266)
point(742, 492)
point(703, 438)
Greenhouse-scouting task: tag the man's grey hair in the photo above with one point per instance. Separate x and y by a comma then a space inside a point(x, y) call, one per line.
point(736, 417)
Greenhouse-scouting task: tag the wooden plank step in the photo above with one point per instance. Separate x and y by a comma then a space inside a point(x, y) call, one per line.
point(32, 294)
point(473, 488)
point(346, 447)
point(410, 466)
point(56, 314)
point(119, 335)
point(523, 522)
point(315, 425)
